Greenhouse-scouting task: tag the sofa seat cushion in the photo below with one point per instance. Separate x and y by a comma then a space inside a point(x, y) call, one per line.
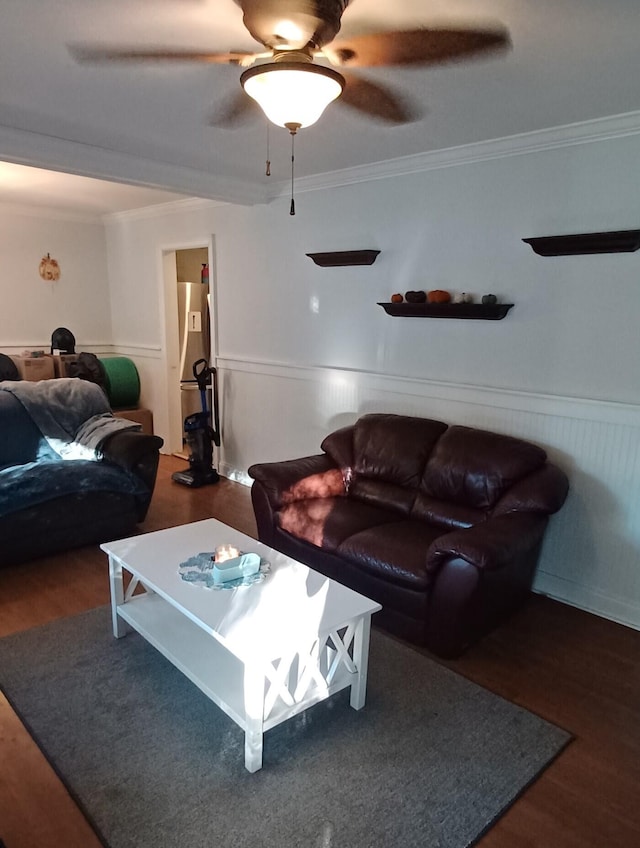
point(382, 494)
point(24, 486)
point(446, 515)
point(396, 551)
point(327, 522)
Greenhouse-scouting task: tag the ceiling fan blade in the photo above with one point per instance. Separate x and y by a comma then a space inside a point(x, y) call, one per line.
point(237, 110)
point(87, 53)
point(415, 47)
point(376, 101)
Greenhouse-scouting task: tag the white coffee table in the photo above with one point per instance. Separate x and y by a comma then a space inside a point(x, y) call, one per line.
point(263, 653)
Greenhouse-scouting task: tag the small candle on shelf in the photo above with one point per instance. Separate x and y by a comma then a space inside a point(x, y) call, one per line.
point(225, 552)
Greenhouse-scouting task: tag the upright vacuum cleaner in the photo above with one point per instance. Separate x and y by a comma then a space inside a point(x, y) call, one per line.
point(200, 435)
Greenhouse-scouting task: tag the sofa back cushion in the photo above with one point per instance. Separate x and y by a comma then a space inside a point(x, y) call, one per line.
point(339, 446)
point(474, 468)
point(394, 448)
point(389, 456)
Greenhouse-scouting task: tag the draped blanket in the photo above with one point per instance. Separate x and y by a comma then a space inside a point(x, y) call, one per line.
point(74, 419)
point(73, 415)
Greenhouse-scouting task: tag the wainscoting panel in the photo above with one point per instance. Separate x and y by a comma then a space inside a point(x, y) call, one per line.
point(591, 555)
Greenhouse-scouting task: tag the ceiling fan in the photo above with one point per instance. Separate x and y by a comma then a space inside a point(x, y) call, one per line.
point(292, 89)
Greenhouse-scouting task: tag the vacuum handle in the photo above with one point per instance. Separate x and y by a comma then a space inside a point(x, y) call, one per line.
point(216, 414)
point(201, 373)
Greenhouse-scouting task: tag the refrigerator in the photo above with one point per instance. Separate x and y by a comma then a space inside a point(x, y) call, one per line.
point(195, 342)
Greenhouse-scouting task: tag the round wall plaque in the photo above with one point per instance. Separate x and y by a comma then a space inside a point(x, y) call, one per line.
point(49, 269)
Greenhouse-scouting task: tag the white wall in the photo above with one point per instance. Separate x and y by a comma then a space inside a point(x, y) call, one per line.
point(459, 228)
point(30, 308)
point(305, 349)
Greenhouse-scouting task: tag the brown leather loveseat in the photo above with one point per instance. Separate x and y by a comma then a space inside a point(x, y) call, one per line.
point(440, 524)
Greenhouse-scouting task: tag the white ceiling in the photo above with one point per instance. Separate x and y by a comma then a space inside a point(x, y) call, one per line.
point(571, 61)
point(23, 185)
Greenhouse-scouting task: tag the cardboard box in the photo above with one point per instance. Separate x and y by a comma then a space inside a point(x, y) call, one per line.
point(140, 416)
point(34, 368)
point(61, 363)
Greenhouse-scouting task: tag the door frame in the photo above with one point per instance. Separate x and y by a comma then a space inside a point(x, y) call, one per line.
point(170, 345)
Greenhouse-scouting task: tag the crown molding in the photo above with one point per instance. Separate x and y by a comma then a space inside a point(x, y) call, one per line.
point(159, 210)
point(50, 213)
point(568, 135)
point(87, 160)
point(43, 151)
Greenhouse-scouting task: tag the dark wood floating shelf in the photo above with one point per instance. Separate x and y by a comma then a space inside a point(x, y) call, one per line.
point(344, 257)
point(481, 311)
point(620, 241)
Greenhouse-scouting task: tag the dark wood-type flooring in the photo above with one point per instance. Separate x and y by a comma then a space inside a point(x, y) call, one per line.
point(574, 669)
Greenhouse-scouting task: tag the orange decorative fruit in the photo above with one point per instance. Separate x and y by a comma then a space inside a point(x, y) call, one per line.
point(438, 296)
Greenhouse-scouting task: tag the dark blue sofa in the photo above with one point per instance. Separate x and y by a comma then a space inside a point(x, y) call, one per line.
point(48, 503)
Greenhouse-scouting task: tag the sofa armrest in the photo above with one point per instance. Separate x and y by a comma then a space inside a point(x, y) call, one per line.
point(489, 546)
point(279, 483)
point(136, 452)
point(298, 479)
point(544, 491)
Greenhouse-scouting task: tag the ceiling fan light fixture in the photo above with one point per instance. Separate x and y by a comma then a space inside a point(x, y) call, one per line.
point(292, 92)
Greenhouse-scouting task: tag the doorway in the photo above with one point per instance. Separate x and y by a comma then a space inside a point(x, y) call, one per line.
point(189, 333)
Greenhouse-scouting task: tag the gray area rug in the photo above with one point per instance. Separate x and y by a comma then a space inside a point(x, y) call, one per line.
point(432, 760)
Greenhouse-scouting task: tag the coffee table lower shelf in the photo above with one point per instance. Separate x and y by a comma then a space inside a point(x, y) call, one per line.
point(224, 678)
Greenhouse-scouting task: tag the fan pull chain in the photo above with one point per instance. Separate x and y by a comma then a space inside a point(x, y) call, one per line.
point(292, 210)
point(293, 129)
point(268, 170)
